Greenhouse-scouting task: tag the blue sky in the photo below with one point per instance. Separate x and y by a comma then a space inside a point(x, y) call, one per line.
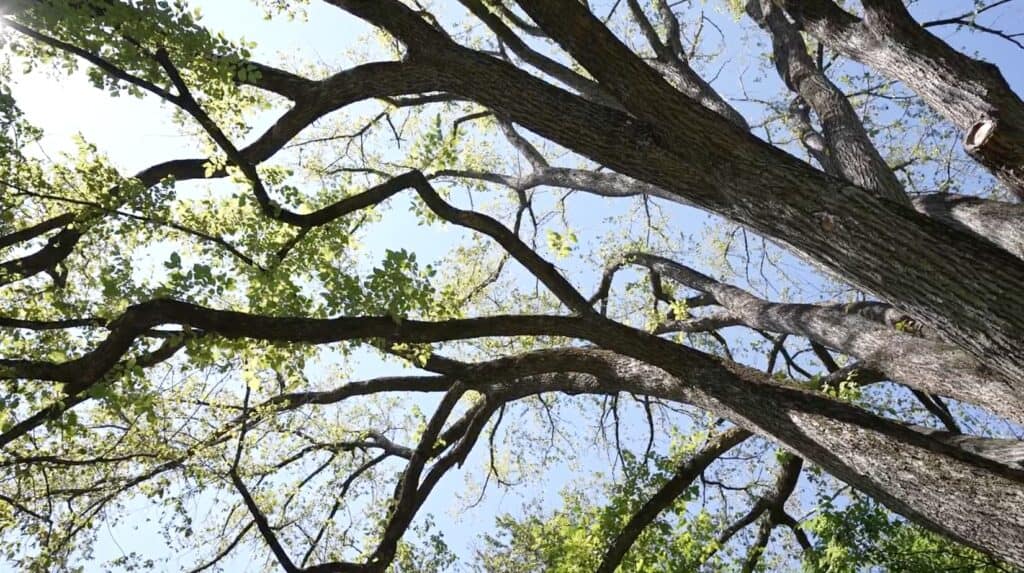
point(136, 133)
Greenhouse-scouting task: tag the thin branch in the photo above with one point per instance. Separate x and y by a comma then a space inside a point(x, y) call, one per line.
point(258, 517)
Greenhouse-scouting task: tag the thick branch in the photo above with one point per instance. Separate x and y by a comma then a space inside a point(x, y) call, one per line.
point(874, 456)
point(970, 93)
point(927, 365)
point(996, 221)
point(848, 142)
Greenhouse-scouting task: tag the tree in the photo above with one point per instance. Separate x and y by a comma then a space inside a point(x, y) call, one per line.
point(173, 341)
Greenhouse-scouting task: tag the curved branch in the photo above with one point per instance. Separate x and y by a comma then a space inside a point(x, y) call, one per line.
point(34, 231)
point(773, 504)
point(826, 437)
point(687, 471)
point(58, 248)
point(258, 517)
point(588, 88)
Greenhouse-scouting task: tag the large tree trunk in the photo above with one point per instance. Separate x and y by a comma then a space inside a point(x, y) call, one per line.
point(970, 93)
point(946, 279)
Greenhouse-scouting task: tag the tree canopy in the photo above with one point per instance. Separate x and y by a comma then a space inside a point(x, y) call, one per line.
point(512, 285)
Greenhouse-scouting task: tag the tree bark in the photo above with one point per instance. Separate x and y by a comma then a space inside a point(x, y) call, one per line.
point(927, 478)
point(931, 366)
point(971, 94)
point(997, 221)
point(941, 277)
point(964, 288)
point(956, 493)
point(849, 146)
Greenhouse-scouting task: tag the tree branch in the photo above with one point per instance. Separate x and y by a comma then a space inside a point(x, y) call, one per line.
point(687, 471)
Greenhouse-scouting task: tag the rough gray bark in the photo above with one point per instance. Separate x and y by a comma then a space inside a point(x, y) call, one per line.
point(814, 143)
point(997, 221)
point(848, 144)
point(1008, 452)
point(972, 94)
point(971, 499)
point(948, 281)
point(928, 365)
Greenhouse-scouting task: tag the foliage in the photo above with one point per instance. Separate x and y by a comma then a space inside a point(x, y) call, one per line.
point(574, 537)
point(864, 536)
point(380, 273)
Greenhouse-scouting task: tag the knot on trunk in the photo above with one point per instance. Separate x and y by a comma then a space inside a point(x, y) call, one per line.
point(980, 133)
